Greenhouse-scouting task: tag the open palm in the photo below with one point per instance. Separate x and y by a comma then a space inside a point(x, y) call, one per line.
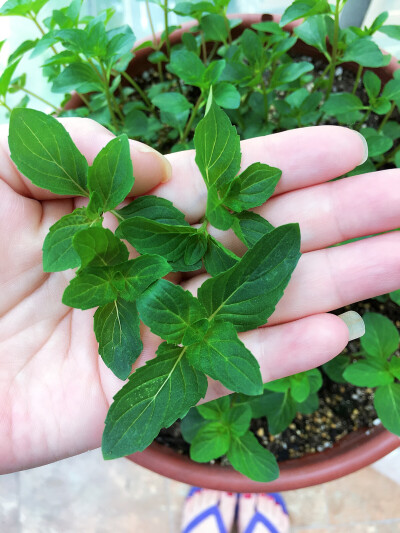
point(54, 389)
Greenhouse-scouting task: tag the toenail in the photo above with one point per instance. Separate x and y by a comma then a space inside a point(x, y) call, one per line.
point(247, 495)
point(230, 493)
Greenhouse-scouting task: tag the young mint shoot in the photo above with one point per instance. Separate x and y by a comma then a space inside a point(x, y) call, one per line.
point(200, 333)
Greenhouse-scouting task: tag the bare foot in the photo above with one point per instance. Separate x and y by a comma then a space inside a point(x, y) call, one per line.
point(265, 504)
point(200, 502)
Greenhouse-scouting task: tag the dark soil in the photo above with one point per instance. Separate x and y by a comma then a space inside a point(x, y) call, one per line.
point(343, 409)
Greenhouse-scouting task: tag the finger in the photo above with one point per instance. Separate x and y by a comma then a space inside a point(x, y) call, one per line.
point(149, 167)
point(290, 348)
point(333, 212)
point(330, 279)
point(306, 156)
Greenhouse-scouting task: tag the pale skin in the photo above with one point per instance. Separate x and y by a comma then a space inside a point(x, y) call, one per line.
point(54, 389)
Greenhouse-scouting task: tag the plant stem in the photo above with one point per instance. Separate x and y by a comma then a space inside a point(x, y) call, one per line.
point(203, 48)
point(387, 116)
point(191, 118)
point(27, 91)
point(357, 80)
point(334, 52)
point(85, 101)
point(167, 42)
point(3, 103)
point(265, 97)
point(365, 118)
point(117, 215)
point(108, 97)
point(228, 29)
point(156, 44)
point(39, 27)
point(389, 157)
point(140, 91)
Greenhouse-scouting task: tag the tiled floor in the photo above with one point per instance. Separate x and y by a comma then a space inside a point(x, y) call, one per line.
point(86, 495)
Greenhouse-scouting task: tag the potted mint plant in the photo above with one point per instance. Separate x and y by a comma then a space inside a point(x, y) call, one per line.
point(157, 92)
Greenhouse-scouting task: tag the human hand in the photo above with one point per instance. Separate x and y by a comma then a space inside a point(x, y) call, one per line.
point(54, 389)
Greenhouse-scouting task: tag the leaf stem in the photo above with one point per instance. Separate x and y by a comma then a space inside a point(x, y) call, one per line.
point(39, 27)
point(167, 41)
point(137, 88)
point(334, 52)
point(156, 44)
point(117, 215)
point(27, 91)
point(3, 103)
point(387, 116)
point(357, 80)
point(191, 118)
point(364, 119)
point(108, 98)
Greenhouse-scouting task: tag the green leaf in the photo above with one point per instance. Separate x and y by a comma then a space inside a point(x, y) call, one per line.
point(155, 396)
point(313, 32)
point(395, 296)
point(248, 457)
point(304, 8)
point(252, 47)
point(387, 405)
point(279, 385)
point(171, 102)
point(97, 247)
point(191, 424)
point(111, 175)
point(370, 373)
point(377, 142)
point(195, 248)
point(339, 103)
point(214, 27)
point(365, 53)
point(217, 147)
point(216, 213)
point(77, 77)
point(250, 227)
point(300, 387)
point(247, 294)
point(310, 404)
point(372, 84)
point(381, 337)
point(391, 30)
point(226, 95)
point(133, 277)
point(217, 258)
point(378, 22)
point(252, 187)
point(22, 7)
point(287, 73)
point(187, 66)
point(5, 78)
point(173, 313)
point(58, 251)
point(45, 153)
point(154, 208)
point(117, 330)
point(391, 90)
point(394, 366)
point(315, 379)
point(213, 72)
point(168, 241)
point(239, 418)
point(92, 287)
point(211, 441)
point(222, 356)
point(216, 409)
point(280, 410)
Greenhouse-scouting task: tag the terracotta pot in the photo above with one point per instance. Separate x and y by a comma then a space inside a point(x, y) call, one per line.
point(355, 451)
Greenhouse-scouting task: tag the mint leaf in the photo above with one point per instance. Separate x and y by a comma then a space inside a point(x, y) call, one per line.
point(381, 337)
point(111, 175)
point(22, 7)
point(239, 418)
point(216, 409)
point(187, 66)
point(250, 227)
point(222, 356)
point(310, 404)
point(216, 213)
point(98, 246)
point(217, 258)
point(248, 457)
point(365, 53)
point(133, 277)
point(117, 330)
point(154, 208)
point(191, 424)
point(171, 102)
point(394, 367)
point(299, 387)
point(6, 76)
point(217, 147)
point(211, 441)
point(173, 313)
point(92, 287)
point(246, 294)
point(370, 373)
point(195, 248)
point(387, 405)
point(58, 251)
point(168, 241)
point(340, 103)
point(214, 27)
point(227, 96)
point(77, 77)
point(313, 32)
point(304, 8)
point(252, 187)
point(44, 152)
point(155, 396)
point(372, 84)
point(280, 409)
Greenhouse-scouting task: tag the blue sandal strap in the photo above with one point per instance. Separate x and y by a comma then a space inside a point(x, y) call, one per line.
point(259, 518)
point(279, 500)
point(214, 510)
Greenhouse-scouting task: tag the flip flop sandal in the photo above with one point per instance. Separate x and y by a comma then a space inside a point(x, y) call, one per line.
point(211, 511)
point(260, 518)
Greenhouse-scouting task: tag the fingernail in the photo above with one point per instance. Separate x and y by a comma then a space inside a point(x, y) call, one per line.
point(365, 156)
point(166, 165)
point(355, 324)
